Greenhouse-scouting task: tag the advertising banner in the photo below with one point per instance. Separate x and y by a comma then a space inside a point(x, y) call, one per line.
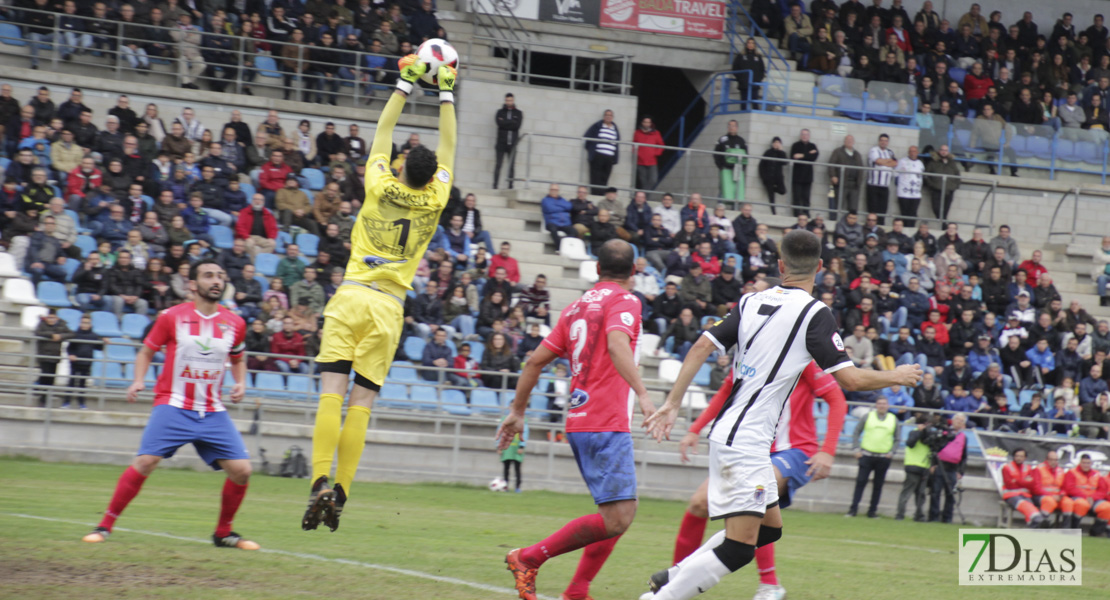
point(575, 12)
point(692, 18)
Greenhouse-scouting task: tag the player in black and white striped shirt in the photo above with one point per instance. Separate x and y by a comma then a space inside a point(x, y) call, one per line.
point(777, 332)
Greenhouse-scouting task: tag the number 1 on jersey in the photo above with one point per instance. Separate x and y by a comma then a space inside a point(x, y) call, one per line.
point(403, 236)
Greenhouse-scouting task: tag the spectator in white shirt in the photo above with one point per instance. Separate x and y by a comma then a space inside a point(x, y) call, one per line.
point(909, 170)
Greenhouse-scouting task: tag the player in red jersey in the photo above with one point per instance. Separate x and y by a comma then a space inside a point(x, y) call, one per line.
point(795, 455)
point(199, 337)
point(600, 334)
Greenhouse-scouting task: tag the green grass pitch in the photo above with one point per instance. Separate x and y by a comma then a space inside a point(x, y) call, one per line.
point(409, 542)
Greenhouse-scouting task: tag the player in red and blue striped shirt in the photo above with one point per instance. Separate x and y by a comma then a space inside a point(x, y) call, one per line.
point(200, 338)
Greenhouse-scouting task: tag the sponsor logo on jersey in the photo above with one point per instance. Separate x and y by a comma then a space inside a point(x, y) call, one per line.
point(595, 295)
point(627, 318)
point(443, 175)
point(205, 346)
point(838, 341)
point(578, 399)
point(377, 261)
point(746, 371)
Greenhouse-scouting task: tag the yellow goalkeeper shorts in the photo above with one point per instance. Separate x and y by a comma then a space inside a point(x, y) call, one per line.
point(363, 326)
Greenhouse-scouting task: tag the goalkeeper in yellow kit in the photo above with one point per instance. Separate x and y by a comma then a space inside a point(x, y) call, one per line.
point(362, 322)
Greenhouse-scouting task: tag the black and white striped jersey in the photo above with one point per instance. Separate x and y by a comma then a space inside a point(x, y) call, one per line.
point(777, 332)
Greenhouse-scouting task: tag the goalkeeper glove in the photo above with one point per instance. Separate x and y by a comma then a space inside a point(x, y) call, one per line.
point(446, 77)
point(412, 68)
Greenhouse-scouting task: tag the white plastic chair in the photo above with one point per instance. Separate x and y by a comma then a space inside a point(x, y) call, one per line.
point(587, 271)
point(7, 266)
point(20, 291)
point(649, 342)
point(573, 248)
point(31, 316)
point(668, 369)
point(695, 399)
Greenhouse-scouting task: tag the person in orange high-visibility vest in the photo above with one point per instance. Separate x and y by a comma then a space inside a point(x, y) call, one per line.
point(1016, 481)
point(1048, 481)
point(1088, 490)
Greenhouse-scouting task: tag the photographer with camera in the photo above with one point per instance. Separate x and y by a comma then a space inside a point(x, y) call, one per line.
point(916, 463)
point(950, 446)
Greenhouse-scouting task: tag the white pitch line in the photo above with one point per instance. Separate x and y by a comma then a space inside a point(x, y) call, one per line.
point(304, 556)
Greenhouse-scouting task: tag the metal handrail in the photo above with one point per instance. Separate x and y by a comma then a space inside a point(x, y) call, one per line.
point(595, 79)
point(684, 189)
point(689, 411)
point(755, 31)
point(1078, 194)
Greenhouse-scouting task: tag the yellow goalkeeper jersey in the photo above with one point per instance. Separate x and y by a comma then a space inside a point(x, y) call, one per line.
point(394, 227)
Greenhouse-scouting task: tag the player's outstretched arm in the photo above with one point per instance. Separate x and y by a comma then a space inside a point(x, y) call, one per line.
point(448, 127)
point(659, 424)
point(142, 363)
point(411, 70)
point(529, 377)
point(854, 379)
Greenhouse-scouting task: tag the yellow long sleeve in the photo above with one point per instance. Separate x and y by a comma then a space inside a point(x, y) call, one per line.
point(448, 135)
point(383, 137)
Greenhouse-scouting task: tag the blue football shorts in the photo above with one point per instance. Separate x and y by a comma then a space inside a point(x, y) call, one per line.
point(607, 463)
point(214, 435)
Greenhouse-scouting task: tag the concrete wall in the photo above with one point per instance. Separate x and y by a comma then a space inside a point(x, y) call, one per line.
point(696, 172)
point(546, 110)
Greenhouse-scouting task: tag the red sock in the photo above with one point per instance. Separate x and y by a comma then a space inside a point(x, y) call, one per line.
point(128, 486)
point(579, 533)
point(593, 558)
point(232, 498)
point(765, 560)
point(689, 536)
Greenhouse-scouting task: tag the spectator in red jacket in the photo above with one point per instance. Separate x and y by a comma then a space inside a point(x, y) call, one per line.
point(82, 181)
point(647, 158)
point(464, 376)
point(257, 227)
point(710, 264)
point(272, 175)
point(1033, 267)
point(289, 342)
point(976, 84)
point(512, 270)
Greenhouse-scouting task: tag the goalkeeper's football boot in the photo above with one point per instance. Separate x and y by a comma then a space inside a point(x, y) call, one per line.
point(331, 516)
point(234, 540)
point(525, 576)
point(320, 501)
point(97, 535)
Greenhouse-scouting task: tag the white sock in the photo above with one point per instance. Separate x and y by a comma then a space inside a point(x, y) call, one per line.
point(714, 540)
point(697, 575)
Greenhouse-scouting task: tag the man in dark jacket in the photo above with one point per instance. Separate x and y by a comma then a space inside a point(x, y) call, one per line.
point(89, 279)
point(802, 178)
point(942, 179)
point(124, 283)
point(323, 70)
point(51, 332)
point(508, 119)
point(45, 257)
point(726, 290)
point(427, 310)
point(602, 151)
point(751, 72)
point(731, 140)
point(666, 307)
point(216, 49)
point(638, 218)
point(436, 354)
point(234, 259)
point(82, 344)
point(248, 291)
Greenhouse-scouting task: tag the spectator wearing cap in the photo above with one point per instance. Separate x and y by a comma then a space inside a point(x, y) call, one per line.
point(1022, 309)
point(982, 356)
point(294, 207)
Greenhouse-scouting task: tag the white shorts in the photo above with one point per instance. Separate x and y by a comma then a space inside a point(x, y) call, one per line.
point(740, 482)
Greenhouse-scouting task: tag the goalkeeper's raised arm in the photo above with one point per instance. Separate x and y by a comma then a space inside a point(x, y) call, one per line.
point(412, 68)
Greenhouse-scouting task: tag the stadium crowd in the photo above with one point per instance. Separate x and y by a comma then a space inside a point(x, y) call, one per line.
point(319, 43)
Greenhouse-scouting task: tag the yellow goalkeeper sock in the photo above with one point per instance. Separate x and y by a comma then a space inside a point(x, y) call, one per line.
point(351, 442)
point(325, 435)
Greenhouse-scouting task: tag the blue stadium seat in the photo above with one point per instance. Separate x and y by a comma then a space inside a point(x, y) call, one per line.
point(973, 448)
point(958, 74)
point(86, 244)
point(702, 376)
point(394, 395)
point(424, 397)
point(476, 350)
point(403, 372)
point(315, 178)
point(850, 107)
point(134, 325)
point(11, 35)
point(485, 401)
point(537, 406)
point(414, 348)
point(248, 190)
point(283, 240)
point(1025, 397)
point(71, 316)
point(301, 387)
point(739, 260)
point(272, 385)
point(266, 67)
point(115, 376)
point(52, 293)
point(1089, 152)
point(105, 324)
point(454, 402)
point(1065, 150)
point(71, 266)
point(308, 243)
point(262, 281)
point(223, 236)
point(267, 263)
point(150, 379)
point(117, 352)
point(1019, 143)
